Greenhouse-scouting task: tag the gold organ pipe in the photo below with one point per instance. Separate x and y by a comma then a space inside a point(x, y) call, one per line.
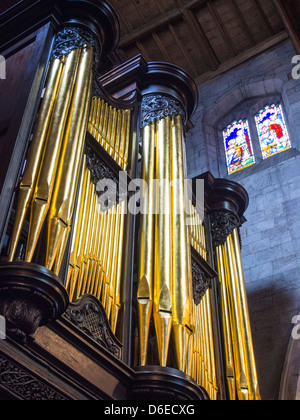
point(81, 236)
point(97, 242)
point(106, 238)
point(181, 279)
point(117, 296)
point(62, 206)
point(89, 239)
point(112, 137)
point(46, 179)
point(111, 128)
point(98, 117)
point(102, 253)
point(236, 326)
point(211, 346)
point(145, 275)
point(73, 191)
point(251, 373)
point(92, 115)
point(85, 243)
point(163, 262)
point(123, 139)
point(229, 360)
point(95, 282)
point(37, 148)
point(109, 255)
point(127, 139)
point(92, 249)
point(113, 266)
point(118, 135)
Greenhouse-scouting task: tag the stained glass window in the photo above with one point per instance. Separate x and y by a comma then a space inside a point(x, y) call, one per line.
point(238, 146)
point(272, 131)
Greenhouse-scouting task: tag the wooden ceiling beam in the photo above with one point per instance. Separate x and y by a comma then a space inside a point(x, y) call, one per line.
point(221, 26)
point(161, 47)
point(289, 11)
point(157, 23)
point(198, 33)
point(261, 11)
point(243, 21)
point(242, 57)
point(183, 51)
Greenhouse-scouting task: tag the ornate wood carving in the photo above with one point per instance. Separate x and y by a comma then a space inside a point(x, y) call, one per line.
point(156, 107)
point(30, 296)
point(73, 37)
point(201, 282)
point(25, 385)
point(100, 171)
point(223, 223)
point(90, 317)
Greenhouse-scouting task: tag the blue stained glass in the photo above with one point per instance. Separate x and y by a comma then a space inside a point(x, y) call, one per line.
point(272, 131)
point(238, 146)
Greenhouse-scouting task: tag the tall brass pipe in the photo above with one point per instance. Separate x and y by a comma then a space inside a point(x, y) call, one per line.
point(145, 275)
point(127, 140)
point(92, 115)
point(110, 251)
point(225, 311)
point(89, 240)
point(211, 346)
point(105, 253)
point(182, 303)
point(113, 264)
point(95, 282)
point(102, 253)
point(236, 324)
point(62, 206)
point(163, 310)
point(85, 244)
point(118, 135)
point(112, 136)
point(251, 372)
point(37, 148)
point(78, 219)
point(46, 179)
point(81, 236)
point(117, 296)
point(121, 147)
point(93, 246)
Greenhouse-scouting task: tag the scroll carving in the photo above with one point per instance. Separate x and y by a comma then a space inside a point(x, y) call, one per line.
point(71, 38)
point(201, 282)
point(223, 224)
point(25, 386)
point(89, 316)
point(99, 171)
point(156, 107)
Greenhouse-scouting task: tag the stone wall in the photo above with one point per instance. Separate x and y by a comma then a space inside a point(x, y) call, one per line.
point(271, 236)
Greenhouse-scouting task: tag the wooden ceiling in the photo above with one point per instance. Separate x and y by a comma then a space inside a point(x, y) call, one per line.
point(205, 37)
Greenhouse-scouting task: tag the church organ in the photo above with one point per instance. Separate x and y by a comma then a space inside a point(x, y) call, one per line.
point(157, 305)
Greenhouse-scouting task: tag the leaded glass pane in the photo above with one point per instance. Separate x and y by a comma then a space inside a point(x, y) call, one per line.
point(238, 146)
point(272, 131)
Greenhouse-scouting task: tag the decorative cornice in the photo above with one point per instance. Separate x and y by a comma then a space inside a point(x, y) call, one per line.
point(226, 202)
point(96, 18)
point(223, 223)
point(156, 107)
point(153, 78)
point(73, 37)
